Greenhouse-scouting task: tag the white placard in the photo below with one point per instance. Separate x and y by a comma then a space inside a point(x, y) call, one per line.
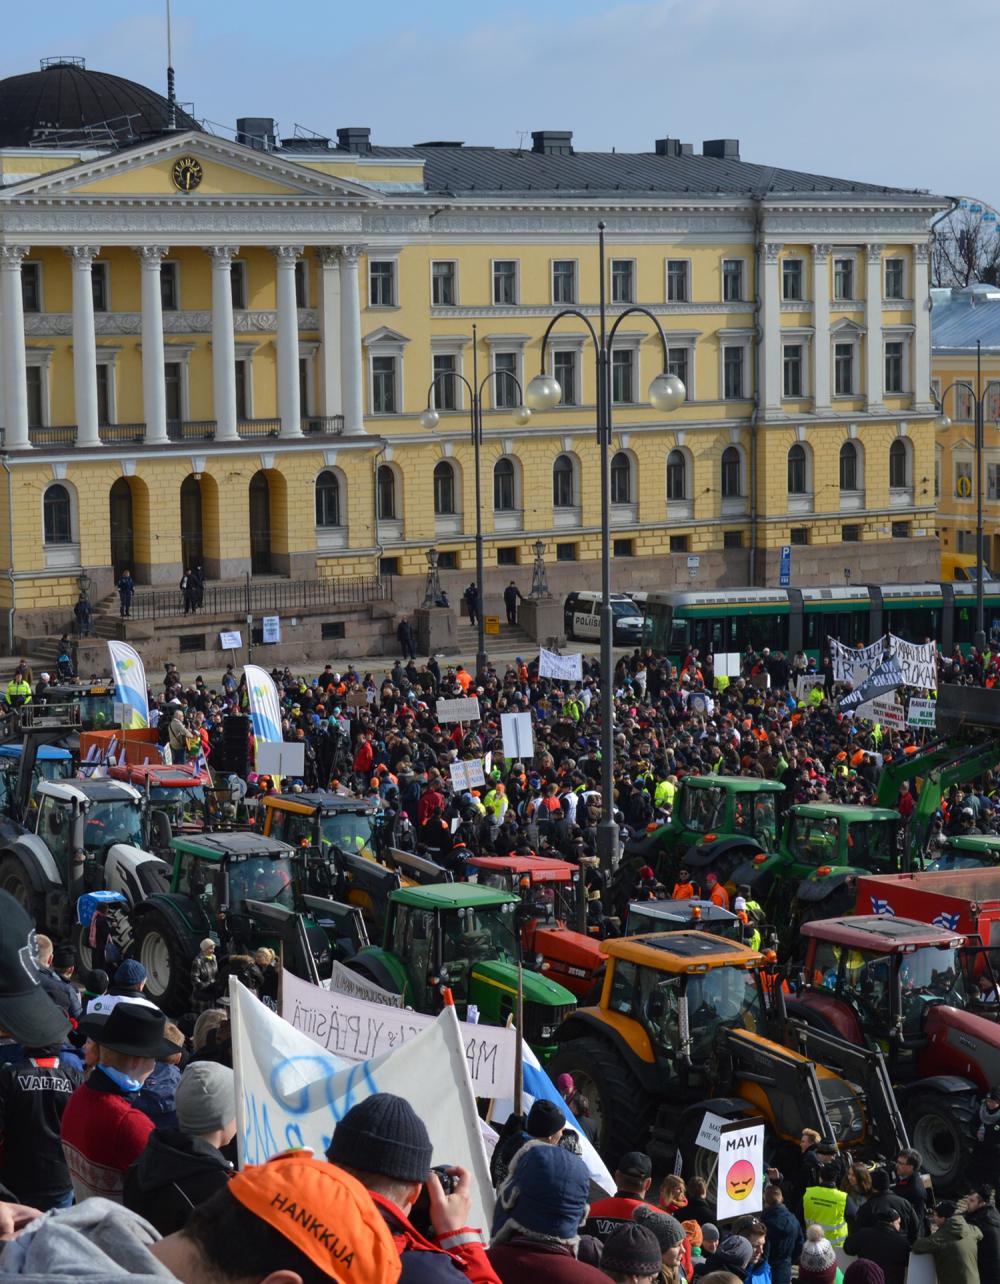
point(918, 660)
point(271, 628)
point(280, 757)
point(741, 1169)
point(344, 981)
point(467, 774)
point(728, 664)
point(807, 683)
point(710, 1131)
point(357, 1030)
point(700, 702)
point(462, 710)
point(888, 713)
point(564, 668)
point(921, 713)
point(518, 740)
point(230, 640)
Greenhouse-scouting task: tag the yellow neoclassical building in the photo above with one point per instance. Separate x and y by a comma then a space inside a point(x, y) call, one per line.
point(217, 351)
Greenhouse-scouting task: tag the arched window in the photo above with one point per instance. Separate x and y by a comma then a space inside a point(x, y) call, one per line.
point(898, 465)
point(732, 482)
point(676, 475)
point(504, 489)
point(327, 499)
point(797, 470)
point(444, 488)
point(848, 466)
point(57, 512)
point(562, 483)
point(621, 479)
point(386, 488)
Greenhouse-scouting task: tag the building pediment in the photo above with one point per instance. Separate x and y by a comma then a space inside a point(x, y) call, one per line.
point(846, 328)
point(222, 171)
point(384, 335)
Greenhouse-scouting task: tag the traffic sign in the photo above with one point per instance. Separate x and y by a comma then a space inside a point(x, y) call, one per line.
point(785, 570)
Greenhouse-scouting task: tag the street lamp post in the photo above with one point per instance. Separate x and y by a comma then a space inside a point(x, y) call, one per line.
point(430, 419)
point(666, 392)
point(978, 395)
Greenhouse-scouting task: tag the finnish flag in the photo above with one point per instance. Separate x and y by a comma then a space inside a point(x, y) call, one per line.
point(948, 921)
point(880, 906)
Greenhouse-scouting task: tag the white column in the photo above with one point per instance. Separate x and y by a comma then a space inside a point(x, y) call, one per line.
point(821, 328)
point(770, 325)
point(874, 368)
point(350, 340)
point(330, 401)
point(84, 345)
point(223, 343)
point(15, 380)
point(289, 408)
point(921, 330)
point(154, 389)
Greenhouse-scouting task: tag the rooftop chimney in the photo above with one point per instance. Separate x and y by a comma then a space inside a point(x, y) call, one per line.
point(721, 148)
point(552, 142)
point(256, 131)
point(354, 138)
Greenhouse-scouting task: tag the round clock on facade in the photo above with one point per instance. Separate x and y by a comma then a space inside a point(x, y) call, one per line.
point(186, 173)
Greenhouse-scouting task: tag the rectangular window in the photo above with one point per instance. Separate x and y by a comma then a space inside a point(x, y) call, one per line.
point(680, 543)
point(505, 393)
point(963, 403)
point(843, 279)
point(301, 284)
point(103, 394)
point(732, 280)
point(894, 365)
point(677, 280)
point(169, 289)
point(445, 385)
point(99, 286)
point(792, 369)
point(901, 530)
point(965, 542)
point(242, 400)
point(791, 278)
point(191, 642)
point(622, 281)
point(850, 534)
point(172, 379)
point(623, 548)
point(894, 278)
point(798, 535)
point(504, 282)
point(443, 293)
point(993, 481)
point(732, 373)
point(304, 399)
point(564, 369)
point(238, 285)
point(384, 386)
point(677, 364)
point(963, 478)
point(381, 283)
point(448, 560)
point(36, 396)
point(386, 566)
point(564, 281)
point(507, 556)
point(732, 539)
point(565, 552)
point(31, 287)
point(843, 365)
point(623, 376)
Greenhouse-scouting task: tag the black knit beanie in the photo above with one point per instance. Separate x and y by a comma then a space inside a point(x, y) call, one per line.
point(382, 1134)
point(632, 1250)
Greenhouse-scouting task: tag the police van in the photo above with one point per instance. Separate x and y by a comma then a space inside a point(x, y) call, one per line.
point(582, 618)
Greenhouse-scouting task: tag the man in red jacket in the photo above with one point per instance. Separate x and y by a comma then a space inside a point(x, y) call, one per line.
point(102, 1131)
point(633, 1178)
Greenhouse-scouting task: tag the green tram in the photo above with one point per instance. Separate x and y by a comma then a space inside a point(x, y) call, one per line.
point(796, 619)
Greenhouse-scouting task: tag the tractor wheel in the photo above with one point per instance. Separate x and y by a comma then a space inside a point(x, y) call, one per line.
point(162, 951)
point(943, 1135)
point(620, 1109)
point(14, 880)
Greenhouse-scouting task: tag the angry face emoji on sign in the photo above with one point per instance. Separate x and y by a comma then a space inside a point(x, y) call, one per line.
point(740, 1179)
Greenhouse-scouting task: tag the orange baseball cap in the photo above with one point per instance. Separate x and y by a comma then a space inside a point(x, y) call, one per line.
point(325, 1213)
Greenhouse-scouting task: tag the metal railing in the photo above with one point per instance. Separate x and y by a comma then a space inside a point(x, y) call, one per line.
point(323, 425)
point(259, 427)
point(64, 435)
point(191, 430)
point(259, 596)
point(114, 434)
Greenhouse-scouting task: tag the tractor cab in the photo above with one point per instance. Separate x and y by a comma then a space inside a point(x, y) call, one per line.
point(182, 794)
point(329, 822)
point(51, 763)
point(972, 851)
point(222, 872)
point(95, 701)
point(89, 816)
point(682, 916)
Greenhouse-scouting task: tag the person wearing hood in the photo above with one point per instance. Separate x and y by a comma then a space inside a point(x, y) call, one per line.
point(986, 1155)
point(980, 1212)
point(954, 1245)
point(180, 1168)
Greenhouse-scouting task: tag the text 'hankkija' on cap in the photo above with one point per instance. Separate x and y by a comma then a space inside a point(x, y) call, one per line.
point(325, 1213)
point(27, 1013)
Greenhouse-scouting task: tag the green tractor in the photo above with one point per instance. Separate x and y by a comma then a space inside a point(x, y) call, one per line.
point(464, 937)
point(243, 890)
point(965, 851)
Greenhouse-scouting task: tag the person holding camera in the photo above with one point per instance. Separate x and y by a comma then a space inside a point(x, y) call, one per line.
point(383, 1144)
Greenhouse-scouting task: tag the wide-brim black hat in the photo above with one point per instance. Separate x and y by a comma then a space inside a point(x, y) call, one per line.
point(134, 1029)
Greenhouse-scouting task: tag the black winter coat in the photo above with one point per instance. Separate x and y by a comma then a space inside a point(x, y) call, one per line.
point(988, 1221)
point(172, 1176)
point(884, 1246)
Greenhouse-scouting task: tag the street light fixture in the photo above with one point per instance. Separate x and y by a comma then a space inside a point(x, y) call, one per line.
point(429, 420)
point(666, 393)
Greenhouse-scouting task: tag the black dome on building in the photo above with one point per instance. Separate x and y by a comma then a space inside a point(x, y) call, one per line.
point(63, 103)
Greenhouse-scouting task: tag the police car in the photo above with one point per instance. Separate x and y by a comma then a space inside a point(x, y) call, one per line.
point(582, 618)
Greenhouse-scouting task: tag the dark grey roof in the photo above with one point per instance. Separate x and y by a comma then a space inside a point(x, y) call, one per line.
point(959, 317)
point(512, 171)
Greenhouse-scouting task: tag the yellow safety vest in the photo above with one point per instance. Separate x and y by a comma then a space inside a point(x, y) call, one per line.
point(825, 1206)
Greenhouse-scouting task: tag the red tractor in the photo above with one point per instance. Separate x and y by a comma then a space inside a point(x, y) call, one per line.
point(910, 990)
point(550, 892)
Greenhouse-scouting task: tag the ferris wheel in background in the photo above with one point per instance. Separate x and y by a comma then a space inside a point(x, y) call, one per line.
point(965, 245)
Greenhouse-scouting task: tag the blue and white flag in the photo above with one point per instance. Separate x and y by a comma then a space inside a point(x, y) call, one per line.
point(948, 921)
point(130, 681)
point(265, 706)
point(879, 906)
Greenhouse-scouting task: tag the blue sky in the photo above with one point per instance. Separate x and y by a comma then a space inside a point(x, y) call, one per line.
point(895, 91)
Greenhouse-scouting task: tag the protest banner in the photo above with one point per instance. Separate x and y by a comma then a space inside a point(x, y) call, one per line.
point(848, 660)
point(921, 713)
point(271, 629)
point(518, 740)
point(564, 668)
point(130, 682)
point(918, 662)
point(727, 664)
point(887, 677)
point(359, 987)
point(230, 639)
point(465, 709)
point(292, 1093)
point(357, 1030)
point(741, 1169)
point(467, 773)
point(887, 713)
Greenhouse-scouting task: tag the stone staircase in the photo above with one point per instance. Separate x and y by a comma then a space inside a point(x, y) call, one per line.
point(511, 638)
